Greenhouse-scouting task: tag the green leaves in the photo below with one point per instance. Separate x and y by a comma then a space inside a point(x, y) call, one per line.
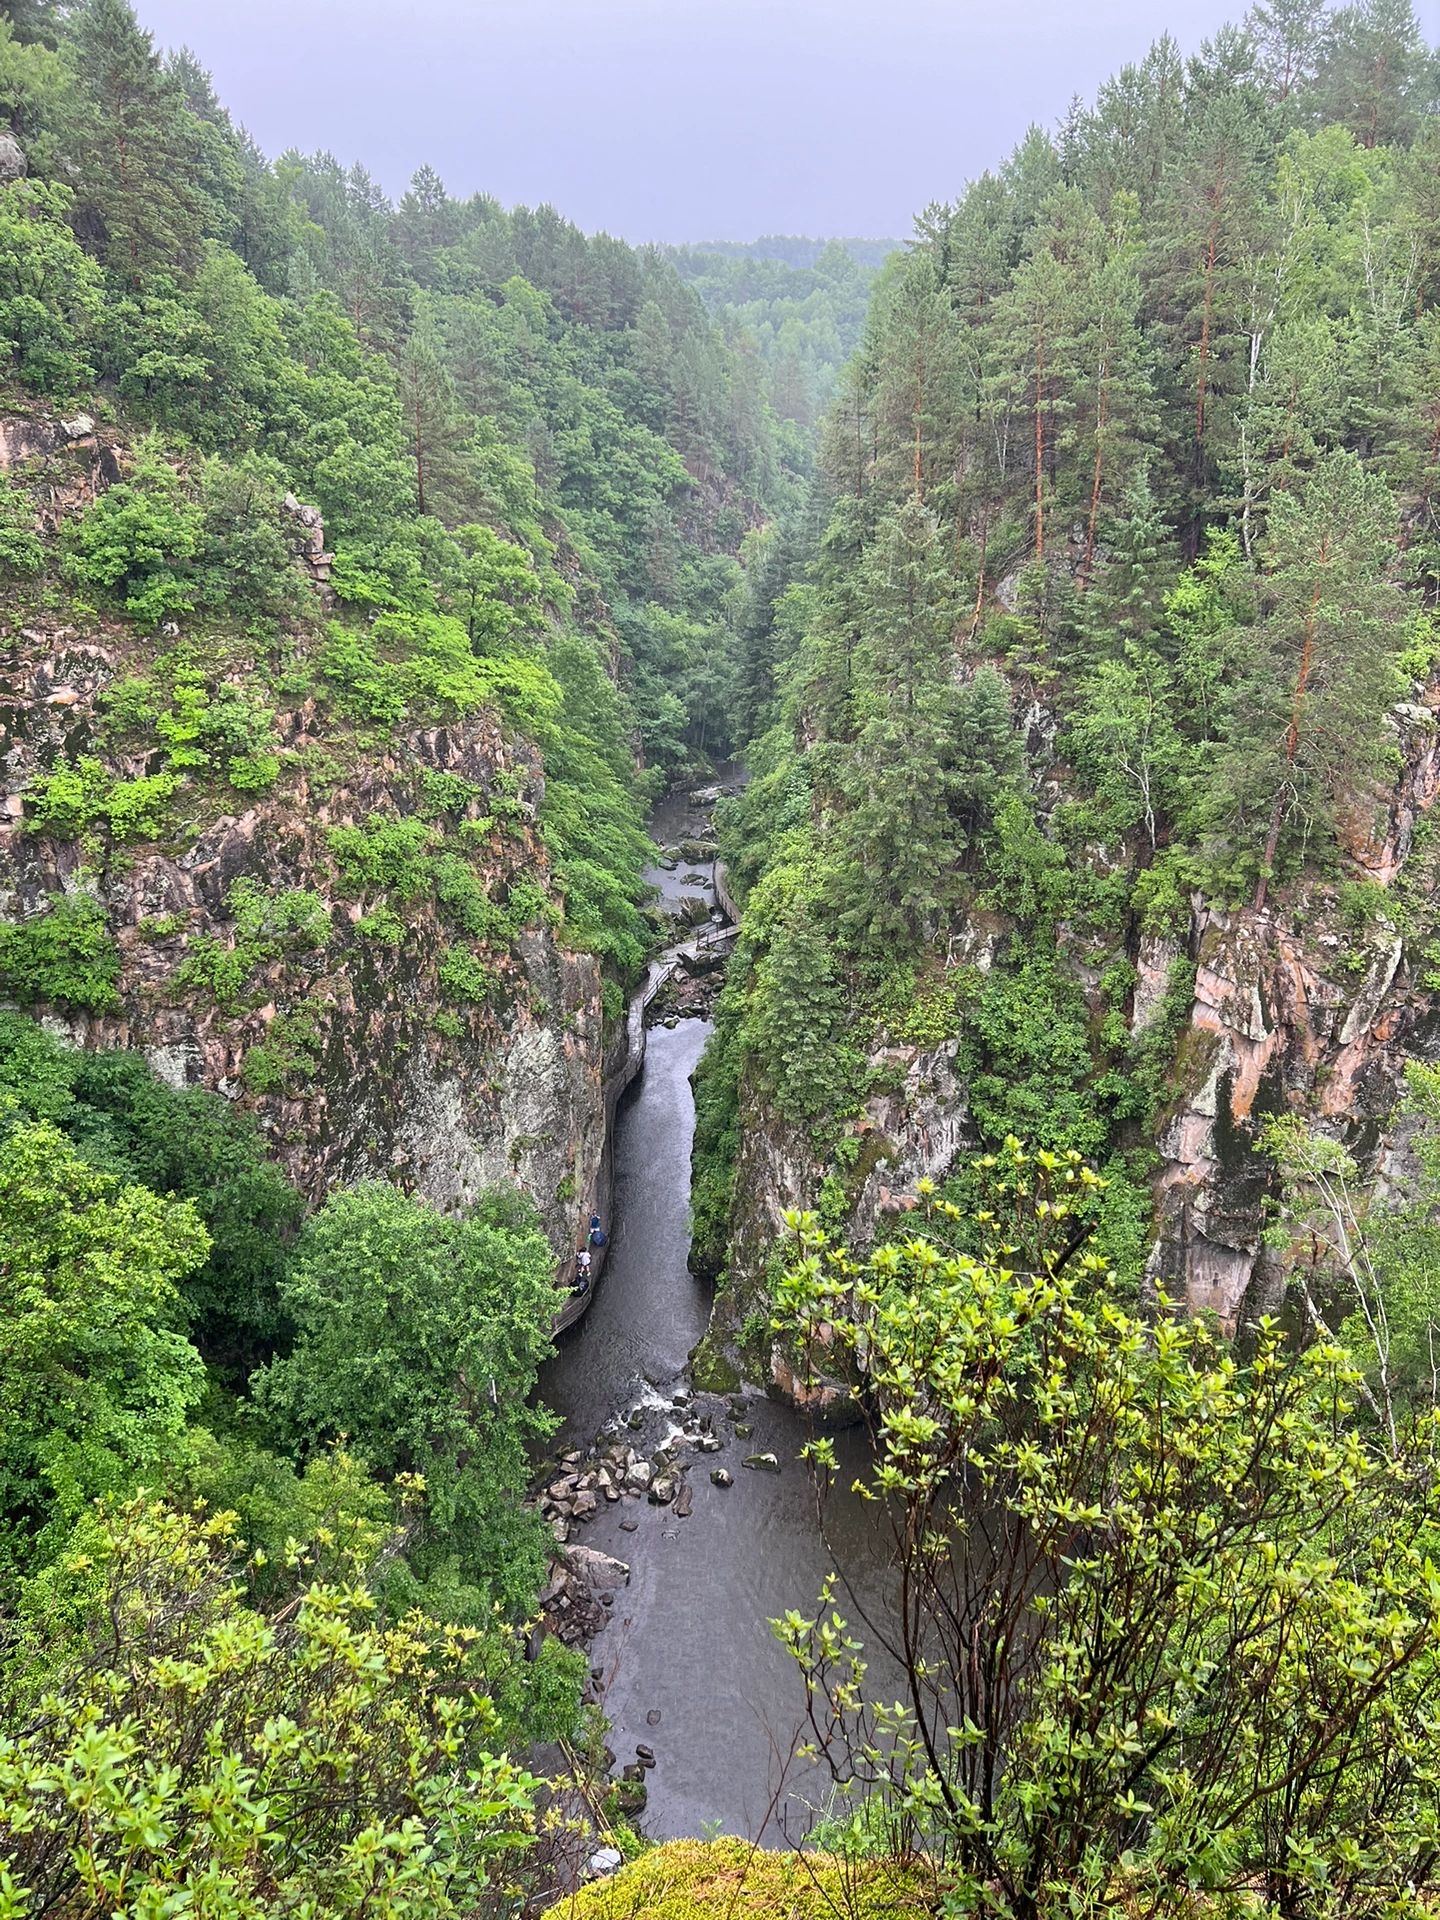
point(1190, 1612)
point(137, 539)
point(95, 1383)
point(65, 955)
point(187, 1749)
point(418, 1335)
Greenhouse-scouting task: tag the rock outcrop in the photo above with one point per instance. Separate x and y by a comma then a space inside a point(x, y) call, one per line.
point(393, 1080)
point(1294, 1010)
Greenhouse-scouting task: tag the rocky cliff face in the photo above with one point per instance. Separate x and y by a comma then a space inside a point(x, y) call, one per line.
point(1294, 1009)
point(353, 1056)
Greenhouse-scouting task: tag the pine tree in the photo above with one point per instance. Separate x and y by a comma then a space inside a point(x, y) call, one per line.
point(900, 839)
point(135, 146)
point(1289, 40)
point(1376, 75)
point(917, 392)
point(433, 427)
point(1307, 720)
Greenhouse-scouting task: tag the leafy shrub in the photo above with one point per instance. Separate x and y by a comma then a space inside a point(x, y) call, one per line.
point(447, 792)
point(363, 685)
point(266, 925)
point(465, 901)
point(95, 1381)
point(50, 289)
point(386, 852)
point(215, 968)
point(253, 772)
point(190, 1143)
point(464, 976)
point(382, 923)
point(286, 1054)
point(403, 1319)
point(66, 955)
point(209, 1738)
point(138, 540)
point(245, 567)
point(21, 552)
point(72, 799)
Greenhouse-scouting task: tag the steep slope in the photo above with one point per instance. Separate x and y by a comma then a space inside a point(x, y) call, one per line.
point(366, 568)
point(1093, 774)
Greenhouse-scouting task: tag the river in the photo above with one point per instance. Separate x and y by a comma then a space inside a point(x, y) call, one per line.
point(690, 1666)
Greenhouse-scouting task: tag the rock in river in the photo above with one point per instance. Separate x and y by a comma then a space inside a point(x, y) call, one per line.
point(720, 1478)
point(762, 1462)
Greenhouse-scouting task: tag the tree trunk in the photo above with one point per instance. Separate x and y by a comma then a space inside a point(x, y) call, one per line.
point(1206, 315)
point(919, 419)
point(1040, 454)
point(1102, 414)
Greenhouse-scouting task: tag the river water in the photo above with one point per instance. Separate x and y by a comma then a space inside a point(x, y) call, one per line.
point(691, 1668)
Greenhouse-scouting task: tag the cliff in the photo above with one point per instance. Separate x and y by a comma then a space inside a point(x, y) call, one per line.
point(359, 942)
point(1312, 1005)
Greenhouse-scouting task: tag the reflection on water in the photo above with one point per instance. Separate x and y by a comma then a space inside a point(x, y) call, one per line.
point(692, 1669)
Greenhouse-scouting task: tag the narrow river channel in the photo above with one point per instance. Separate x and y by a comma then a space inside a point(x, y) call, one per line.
point(691, 1668)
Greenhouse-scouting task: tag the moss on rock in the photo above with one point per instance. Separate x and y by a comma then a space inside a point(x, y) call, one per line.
point(693, 1880)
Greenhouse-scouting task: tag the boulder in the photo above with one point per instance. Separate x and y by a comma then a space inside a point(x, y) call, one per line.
point(705, 796)
point(12, 159)
point(684, 1501)
point(719, 1477)
point(762, 1462)
point(597, 1569)
point(662, 1491)
point(606, 1860)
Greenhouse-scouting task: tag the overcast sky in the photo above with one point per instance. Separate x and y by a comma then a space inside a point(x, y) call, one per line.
point(672, 119)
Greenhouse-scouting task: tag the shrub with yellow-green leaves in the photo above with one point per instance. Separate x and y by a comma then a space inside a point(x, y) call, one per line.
point(1170, 1616)
point(189, 1754)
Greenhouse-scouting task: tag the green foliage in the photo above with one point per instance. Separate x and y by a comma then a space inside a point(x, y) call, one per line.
point(66, 955)
point(1373, 1260)
point(418, 1336)
point(72, 799)
point(1223, 1594)
point(21, 552)
point(126, 1123)
point(50, 291)
point(137, 540)
point(266, 926)
point(465, 977)
point(447, 792)
point(388, 852)
point(95, 1382)
point(286, 1055)
point(189, 1740)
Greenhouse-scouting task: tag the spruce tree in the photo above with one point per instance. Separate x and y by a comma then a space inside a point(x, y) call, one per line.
point(135, 146)
point(1307, 720)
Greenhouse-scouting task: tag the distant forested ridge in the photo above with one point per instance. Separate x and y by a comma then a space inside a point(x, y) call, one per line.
point(802, 302)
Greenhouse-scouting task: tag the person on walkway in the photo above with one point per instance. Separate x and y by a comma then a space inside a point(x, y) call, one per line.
point(597, 1232)
point(582, 1271)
